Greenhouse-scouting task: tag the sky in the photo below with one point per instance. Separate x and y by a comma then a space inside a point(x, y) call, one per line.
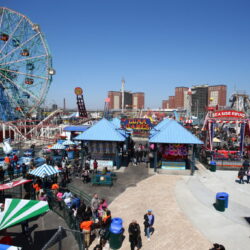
point(155, 45)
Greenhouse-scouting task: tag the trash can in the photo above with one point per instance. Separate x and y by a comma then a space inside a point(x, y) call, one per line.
point(116, 233)
point(212, 166)
point(221, 201)
point(71, 155)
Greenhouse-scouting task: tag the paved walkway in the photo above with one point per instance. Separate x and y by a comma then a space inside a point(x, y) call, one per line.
point(230, 228)
point(172, 229)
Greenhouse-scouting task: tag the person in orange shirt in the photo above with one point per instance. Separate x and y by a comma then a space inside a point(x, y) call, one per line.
point(55, 188)
point(86, 228)
point(37, 190)
point(7, 160)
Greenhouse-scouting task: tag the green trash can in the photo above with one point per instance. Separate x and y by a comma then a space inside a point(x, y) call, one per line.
point(212, 166)
point(116, 233)
point(221, 201)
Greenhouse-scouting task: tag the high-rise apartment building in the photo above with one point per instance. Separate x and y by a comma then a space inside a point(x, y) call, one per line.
point(217, 95)
point(199, 100)
point(165, 104)
point(131, 100)
point(171, 102)
point(179, 97)
point(138, 100)
point(115, 99)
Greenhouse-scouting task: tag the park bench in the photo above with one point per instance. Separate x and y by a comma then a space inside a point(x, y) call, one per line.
point(105, 180)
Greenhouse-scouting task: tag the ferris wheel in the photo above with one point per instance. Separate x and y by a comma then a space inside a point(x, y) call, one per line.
point(25, 66)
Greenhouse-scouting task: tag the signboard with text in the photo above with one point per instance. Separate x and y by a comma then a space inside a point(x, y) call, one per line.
point(229, 114)
point(136, 124)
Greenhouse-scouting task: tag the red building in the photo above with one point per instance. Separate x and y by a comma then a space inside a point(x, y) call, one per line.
point(165, 104)
point(138, 100)
point(115, 99)
point(172, 102)
point(179, 97)
point(217, 95)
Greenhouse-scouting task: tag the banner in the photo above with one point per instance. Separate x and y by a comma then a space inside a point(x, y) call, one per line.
point(229, 114)
point(136, 124)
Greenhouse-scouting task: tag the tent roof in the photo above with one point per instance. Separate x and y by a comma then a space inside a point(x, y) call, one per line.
point(76, 128)
point(174, 133)
point(58, 146)
point(17, 210)
point(101, 131)
point(159, 126)
point(116, 121)
point(44, 170)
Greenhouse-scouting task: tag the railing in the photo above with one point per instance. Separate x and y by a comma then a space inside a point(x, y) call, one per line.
point(82, 195)
point(63, 211)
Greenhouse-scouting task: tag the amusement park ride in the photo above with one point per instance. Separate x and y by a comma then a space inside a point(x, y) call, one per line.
point(25, 76)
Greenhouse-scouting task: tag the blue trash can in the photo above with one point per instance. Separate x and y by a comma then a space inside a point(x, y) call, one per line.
point(212, 166)
point(116, 233)
point(222, 201)
point(71, 155)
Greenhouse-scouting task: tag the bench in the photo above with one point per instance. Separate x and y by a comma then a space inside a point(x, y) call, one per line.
point(105, 180)
point(109, 173)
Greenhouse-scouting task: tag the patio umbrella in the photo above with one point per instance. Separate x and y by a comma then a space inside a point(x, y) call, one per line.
point(215, 139)
point(58, 146)
point(68, 143)
point(17, 210)
point(44, 171)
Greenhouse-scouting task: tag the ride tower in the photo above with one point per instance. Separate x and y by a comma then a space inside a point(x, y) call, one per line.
point(80, 103)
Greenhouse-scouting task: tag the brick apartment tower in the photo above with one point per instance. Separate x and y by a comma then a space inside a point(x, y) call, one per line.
point(172, 102)
point(179, 97)
point(219, 95)
point(165, 104)
point(115, 99)
point(138, 100)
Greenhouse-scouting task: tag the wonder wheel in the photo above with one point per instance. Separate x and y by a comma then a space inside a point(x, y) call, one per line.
point(25, 66)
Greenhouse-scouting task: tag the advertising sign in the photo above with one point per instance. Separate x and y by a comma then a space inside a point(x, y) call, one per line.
point(136, 124)
point(102, 164)
point(229, 114)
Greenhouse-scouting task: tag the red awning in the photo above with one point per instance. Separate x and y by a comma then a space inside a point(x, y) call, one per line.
point(13, 184)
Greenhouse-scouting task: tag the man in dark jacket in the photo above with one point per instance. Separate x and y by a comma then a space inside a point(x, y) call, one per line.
point(148, 223)
point(134, 235)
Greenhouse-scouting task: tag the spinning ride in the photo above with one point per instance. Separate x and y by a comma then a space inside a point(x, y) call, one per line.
point(25, 66)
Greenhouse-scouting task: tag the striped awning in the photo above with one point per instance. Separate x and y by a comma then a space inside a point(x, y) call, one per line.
point(44, 171)
point(68, 143)
point(17, 210)
point(58, 146)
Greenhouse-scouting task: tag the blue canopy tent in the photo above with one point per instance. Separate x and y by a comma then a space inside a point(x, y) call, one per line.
point(172, 133)
point(104, 140)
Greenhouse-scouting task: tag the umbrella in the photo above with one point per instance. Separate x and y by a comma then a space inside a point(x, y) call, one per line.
point(68, 143)
point(58, 146)
point(215, 139)
point(44, 170)
point(17, 210)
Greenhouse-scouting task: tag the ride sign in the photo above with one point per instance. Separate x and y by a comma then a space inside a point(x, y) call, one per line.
point(136, 124)
point(229, 114)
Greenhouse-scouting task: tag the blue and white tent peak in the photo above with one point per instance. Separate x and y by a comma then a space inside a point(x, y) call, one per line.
point(174, 133)
point(44, 170)
point(101, 131)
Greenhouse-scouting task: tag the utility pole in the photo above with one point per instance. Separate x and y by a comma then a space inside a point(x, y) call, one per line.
point(122, 90)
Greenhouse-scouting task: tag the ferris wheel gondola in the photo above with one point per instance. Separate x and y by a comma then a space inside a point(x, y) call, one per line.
point(25, 66)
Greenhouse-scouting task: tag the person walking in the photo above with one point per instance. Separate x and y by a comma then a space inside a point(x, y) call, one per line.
point(86, 228)
point(134, 235)
point(95, 166)
point(24, 169)
point(94, 206)
point(248, 175)
point(241, 174)
point(148, 223)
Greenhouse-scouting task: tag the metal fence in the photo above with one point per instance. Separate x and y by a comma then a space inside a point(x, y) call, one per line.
point(63, 211)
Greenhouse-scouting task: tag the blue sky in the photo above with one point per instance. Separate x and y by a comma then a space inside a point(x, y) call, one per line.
point(155, 45)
